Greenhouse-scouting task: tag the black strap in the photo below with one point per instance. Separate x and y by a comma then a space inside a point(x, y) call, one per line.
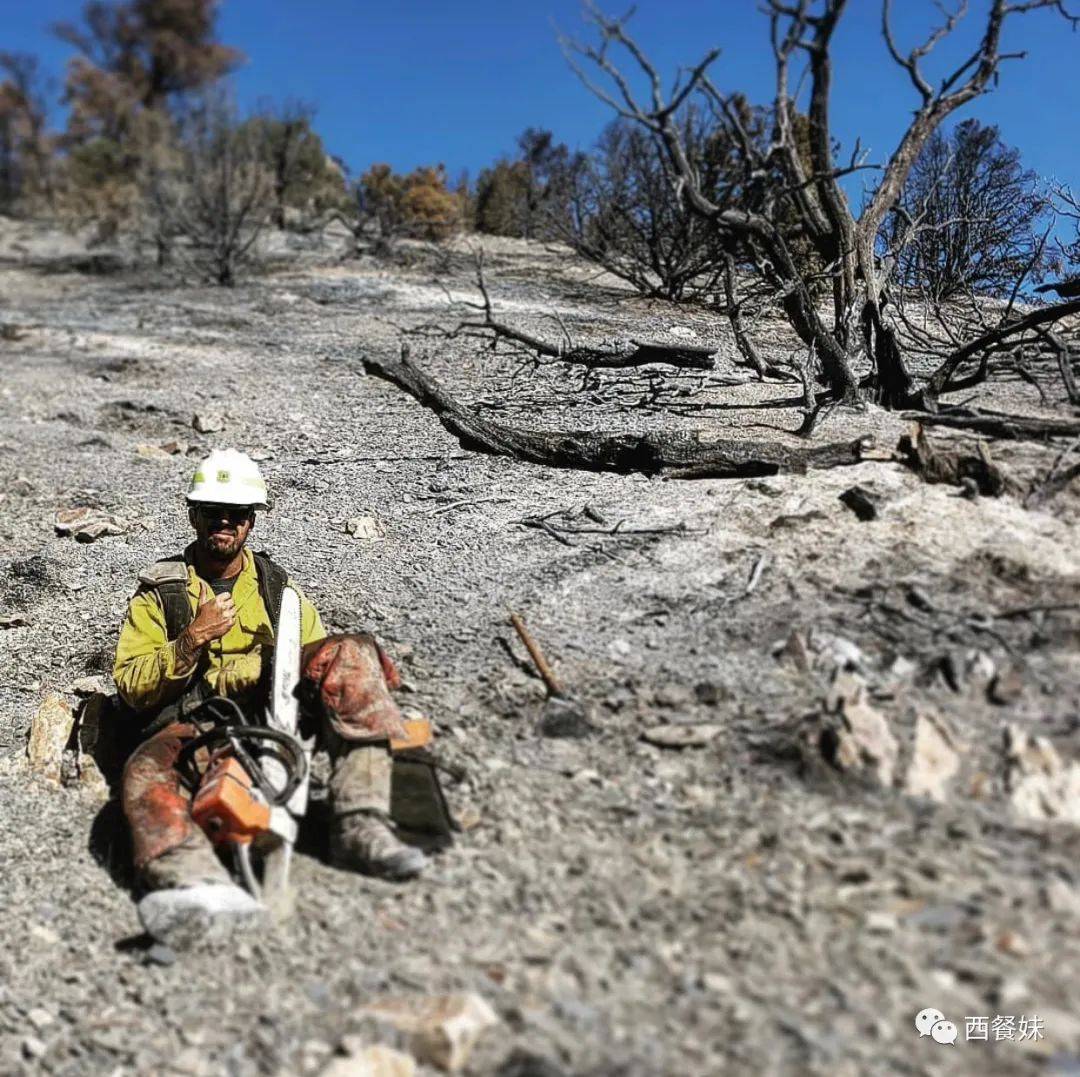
point(174, 599)
point(272, 581)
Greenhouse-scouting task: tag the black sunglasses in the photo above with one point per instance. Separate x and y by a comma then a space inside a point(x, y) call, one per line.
point(235, 514)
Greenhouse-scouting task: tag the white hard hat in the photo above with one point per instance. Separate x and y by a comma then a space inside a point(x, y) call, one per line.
point(228, 477)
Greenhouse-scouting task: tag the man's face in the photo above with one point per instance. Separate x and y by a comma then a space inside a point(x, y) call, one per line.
point(221, 530)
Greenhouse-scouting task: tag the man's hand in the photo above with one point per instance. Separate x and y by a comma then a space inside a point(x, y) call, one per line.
point(216, 615)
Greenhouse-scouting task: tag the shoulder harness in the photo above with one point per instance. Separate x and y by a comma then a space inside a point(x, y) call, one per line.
point(169, 578)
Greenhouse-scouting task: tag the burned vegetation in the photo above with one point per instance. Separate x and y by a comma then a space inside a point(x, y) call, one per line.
point(726, 534)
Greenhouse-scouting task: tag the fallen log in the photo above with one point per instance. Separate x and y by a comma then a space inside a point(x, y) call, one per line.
point(676, 453)
point(999, 424)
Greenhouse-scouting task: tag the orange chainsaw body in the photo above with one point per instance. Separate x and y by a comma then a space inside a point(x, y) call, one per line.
point(227, 805)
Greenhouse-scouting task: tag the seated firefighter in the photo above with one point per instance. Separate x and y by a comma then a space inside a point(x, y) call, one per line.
point(201, 624)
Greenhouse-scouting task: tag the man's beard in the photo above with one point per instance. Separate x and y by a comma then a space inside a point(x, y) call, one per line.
point(221, 547)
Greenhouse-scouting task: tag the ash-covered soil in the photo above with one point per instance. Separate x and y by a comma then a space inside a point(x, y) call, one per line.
point(737, 907)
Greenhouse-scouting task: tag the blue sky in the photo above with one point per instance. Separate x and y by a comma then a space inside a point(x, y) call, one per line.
point(421, 82)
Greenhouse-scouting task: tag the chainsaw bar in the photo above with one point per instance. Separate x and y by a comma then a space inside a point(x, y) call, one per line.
point(285, 713)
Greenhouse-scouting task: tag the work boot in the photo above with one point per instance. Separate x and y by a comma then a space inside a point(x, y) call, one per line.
point(365, 841)
point(184, 917)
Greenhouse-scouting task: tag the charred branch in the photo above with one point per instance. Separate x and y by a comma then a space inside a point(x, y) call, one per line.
point(939, 381)
point(973, 471)
point(622, 354)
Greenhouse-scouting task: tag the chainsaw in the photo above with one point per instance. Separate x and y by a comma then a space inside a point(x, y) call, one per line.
point(252, 791)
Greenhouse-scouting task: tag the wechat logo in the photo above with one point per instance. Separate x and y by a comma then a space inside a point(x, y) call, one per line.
point(932, 1023)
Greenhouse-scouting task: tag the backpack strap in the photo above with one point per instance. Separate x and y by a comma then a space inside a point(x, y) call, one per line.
point(169, 578)
point(272, 582)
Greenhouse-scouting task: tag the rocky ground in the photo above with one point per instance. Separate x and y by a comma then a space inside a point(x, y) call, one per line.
point(845, 841)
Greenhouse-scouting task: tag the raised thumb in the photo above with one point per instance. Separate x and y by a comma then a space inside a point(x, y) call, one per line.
point(205, 594)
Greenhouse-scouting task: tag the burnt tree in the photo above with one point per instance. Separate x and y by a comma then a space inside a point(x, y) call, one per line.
point(794, 189)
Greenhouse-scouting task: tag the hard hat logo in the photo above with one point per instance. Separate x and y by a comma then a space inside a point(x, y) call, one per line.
point(228, 477)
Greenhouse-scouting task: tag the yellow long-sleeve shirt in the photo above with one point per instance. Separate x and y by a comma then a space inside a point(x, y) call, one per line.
point(147, 672)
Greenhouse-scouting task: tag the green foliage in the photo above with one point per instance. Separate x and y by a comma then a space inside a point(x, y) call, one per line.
point(501, 194)
point(95, 162)
point(526, 196)
point(305, 179)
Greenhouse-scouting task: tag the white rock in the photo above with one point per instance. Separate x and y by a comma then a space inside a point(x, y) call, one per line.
point(1012, 991)
point(836, 650)
point(208, 422)
point(364, 527)
point(442, 1029)
point(717, 983)
point(1061, 897)
point(87, 686)
point(902, 668)
point(50, 732)
point(151, 452)
point(87, 525)
point(881, 922)
point(934, 760)
point(377, 1060)
point(44, 934)
point(39, 1018)
point(682, 736)
point(863, 738)
point(794, 649)
point(979, 668)
point(1039, 784)
point(33, 1047)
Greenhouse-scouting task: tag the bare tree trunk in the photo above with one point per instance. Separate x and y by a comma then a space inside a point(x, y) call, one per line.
point(892, 382)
